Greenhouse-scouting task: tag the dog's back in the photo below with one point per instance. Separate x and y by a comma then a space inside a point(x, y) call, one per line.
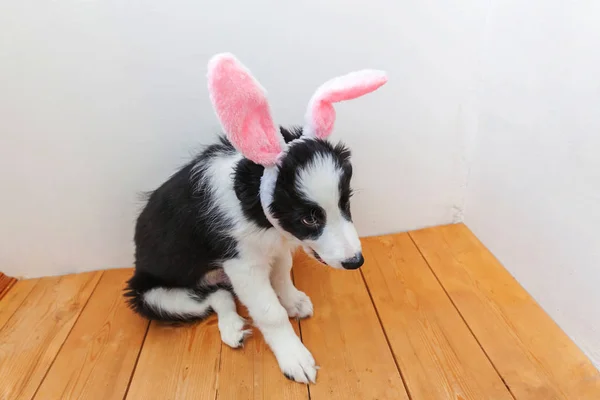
point(181, 235)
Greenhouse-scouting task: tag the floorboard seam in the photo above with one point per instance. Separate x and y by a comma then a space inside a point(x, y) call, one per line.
point(137, 359)
point(461, 316)
point(218, 373)
point(300, 332)
point(387, 340)
point(68, 334)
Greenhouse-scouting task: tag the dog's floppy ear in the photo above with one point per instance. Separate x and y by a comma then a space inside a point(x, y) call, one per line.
point(243, 110)
point(320, 115)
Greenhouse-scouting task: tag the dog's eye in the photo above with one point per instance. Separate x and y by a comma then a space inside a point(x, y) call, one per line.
point(310, 221)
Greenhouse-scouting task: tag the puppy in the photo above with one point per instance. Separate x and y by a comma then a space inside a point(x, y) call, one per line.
point(226, 224)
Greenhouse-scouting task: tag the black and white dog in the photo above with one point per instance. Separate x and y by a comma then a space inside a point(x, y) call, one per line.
point(227, 223)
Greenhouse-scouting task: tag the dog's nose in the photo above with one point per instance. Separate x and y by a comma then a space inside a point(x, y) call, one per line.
point(355, 262)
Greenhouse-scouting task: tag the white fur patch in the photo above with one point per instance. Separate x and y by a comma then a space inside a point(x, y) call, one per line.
point(319, 182)
point(175, 302)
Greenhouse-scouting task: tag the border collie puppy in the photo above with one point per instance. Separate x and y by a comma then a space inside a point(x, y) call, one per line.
point(227, 223)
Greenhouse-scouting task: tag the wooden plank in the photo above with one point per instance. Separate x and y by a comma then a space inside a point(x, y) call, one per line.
point(32, 337)
point(252, 372)
point(14, 298)
point(178, 362)
point(534, 356)
point(430, 341)
point(345, 336)
point(98, 357)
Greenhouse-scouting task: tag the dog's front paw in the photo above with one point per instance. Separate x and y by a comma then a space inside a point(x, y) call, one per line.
point(232, 330)
point(297, 364)
point(298, 305)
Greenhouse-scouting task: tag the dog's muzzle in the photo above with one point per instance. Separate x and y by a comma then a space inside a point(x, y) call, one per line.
point(355, 262)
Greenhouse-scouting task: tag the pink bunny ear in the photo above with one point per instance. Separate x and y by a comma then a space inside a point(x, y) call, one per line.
point(241, 105)
point(320, 115)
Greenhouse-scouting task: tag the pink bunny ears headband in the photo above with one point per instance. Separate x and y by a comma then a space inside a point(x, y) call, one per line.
point(242, 108)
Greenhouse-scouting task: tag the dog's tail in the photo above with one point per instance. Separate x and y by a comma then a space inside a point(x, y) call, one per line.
point(149, 297)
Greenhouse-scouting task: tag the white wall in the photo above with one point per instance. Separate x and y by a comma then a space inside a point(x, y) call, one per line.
point(100, 100)
point(534, 190)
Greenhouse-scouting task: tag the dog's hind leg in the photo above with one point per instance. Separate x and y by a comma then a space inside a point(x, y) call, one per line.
point(186, 305)
point(231, 325)
point(150, 298)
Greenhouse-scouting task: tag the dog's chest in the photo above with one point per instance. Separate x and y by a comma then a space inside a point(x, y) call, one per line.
point(264, 246)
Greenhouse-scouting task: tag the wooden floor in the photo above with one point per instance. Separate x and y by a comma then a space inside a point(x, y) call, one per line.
point(431, 315)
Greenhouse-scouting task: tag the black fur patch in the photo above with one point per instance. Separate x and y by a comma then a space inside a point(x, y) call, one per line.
point(345, 191)
point(178, 237)
point(290, 134)
point(289, 206)
point(247, 186)
point(247, 183)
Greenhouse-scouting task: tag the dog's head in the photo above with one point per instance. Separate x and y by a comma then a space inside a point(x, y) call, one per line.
point(305, 189)
point(311, 201)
